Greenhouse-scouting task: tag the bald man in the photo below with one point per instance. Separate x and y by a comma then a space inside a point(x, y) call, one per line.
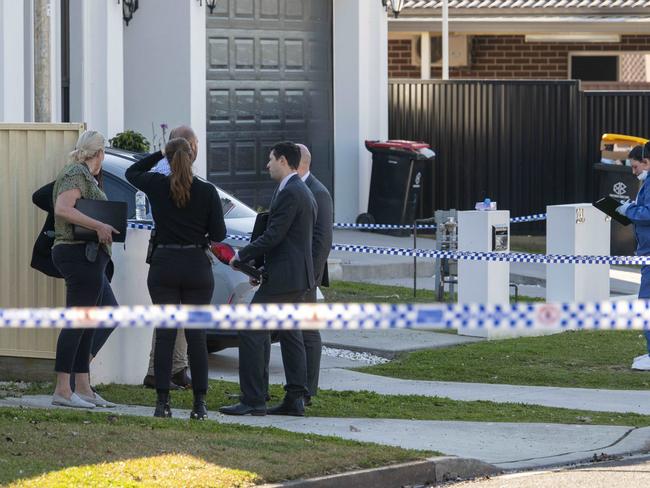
point(320, 248)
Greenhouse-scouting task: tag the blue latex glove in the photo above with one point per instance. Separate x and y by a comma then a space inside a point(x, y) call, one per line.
point(623, 208)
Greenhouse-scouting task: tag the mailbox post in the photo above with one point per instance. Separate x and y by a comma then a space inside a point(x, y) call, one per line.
point(579, 230)
point(483, 281)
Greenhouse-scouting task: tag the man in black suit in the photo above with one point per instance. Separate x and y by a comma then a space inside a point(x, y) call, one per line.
point(289, 274)
point(321, 245)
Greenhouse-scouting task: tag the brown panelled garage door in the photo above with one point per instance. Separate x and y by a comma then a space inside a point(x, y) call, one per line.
point(269, 78)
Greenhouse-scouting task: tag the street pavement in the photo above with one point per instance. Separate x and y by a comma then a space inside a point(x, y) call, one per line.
point(628, 473)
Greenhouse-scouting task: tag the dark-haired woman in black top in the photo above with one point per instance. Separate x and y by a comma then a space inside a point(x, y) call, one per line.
point(188, 215)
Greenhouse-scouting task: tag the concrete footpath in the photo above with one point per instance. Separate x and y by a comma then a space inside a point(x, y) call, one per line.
point(504, 445)
point(336, 375)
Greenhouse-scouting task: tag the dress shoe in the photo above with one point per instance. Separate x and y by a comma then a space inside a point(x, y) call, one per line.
point(182, 379)
point(150, 382)
point(97, 400)
point(74, 401)
point(243, 409)
point(294, 407)
point(199, 411)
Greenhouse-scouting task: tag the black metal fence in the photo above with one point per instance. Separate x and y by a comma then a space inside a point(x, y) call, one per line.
point(523, 144)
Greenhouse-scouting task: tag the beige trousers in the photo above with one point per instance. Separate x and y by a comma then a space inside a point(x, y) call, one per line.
point(179, 358)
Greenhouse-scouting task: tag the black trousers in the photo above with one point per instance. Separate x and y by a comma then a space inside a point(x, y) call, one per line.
point(181, 276)
point(313, 350)
point(255, 352)
point(86, 285)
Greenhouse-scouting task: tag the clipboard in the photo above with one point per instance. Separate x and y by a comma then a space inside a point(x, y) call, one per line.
point(108, 212)
point(609, 205)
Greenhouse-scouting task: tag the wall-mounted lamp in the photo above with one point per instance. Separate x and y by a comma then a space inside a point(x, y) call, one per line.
point(395, 5)
point(211, 4)
point(128, 9)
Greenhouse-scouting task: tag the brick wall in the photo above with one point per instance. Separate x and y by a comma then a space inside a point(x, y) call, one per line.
point(499, 57)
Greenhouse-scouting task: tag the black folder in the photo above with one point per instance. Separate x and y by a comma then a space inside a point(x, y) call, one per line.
point(609, 205)
point(108, 212)
point(261, 222)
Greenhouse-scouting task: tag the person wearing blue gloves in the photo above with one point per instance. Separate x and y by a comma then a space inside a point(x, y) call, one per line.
point(638, 212)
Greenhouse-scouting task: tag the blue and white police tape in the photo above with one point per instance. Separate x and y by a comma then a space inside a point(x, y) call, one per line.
point(528, 218)
point(342, 225)
point(510, 257)
point(614, 315)
point(134, 224)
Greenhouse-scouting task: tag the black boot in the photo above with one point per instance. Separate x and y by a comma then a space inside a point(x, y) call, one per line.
point(291, 405)
point(162, 405)
point(199, 412)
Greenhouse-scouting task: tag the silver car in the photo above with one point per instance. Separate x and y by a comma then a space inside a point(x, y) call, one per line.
point(230, 286)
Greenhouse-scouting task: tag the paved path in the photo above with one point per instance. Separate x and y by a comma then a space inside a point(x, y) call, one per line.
point(333, 377)
point(507, 445)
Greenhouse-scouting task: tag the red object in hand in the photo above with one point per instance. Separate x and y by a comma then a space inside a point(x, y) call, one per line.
point(223, 252)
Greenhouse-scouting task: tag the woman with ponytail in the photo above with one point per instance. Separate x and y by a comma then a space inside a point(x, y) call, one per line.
point(188, 216)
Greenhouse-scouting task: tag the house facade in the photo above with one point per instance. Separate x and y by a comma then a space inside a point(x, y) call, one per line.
point(605, 44)
point(244, 74)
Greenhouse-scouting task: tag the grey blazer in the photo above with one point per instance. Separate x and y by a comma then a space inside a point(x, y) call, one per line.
point(286, 242)
point(322, 242)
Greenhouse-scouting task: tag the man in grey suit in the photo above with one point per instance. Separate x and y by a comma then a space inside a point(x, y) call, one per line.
point(321, 245)
point(288, 275)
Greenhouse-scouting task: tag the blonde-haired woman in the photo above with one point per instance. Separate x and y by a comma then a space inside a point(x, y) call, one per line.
point(83, 266)
point(188, 215)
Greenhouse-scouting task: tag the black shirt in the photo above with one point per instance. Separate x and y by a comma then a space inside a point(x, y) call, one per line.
point(201, 217)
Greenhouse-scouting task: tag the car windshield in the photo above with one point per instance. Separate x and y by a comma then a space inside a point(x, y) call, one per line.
point(117, 188)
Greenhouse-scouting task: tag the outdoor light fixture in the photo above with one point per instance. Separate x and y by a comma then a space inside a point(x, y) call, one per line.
point(128, 8)
point(212, 4)
point(396, 6)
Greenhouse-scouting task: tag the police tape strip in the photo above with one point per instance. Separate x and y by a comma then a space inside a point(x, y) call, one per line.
point(528, 218)
point(614, 315)
point(503, 257)
point(342, 225)
point(510, 257)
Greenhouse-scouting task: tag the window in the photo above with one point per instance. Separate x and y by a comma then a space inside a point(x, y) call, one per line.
point(595, 68)
point(120, 191)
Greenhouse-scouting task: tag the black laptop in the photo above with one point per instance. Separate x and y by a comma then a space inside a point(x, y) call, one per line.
point(108, 212)
point(609, 205)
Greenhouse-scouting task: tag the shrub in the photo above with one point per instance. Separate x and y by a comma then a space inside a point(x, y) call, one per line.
point(131, 141)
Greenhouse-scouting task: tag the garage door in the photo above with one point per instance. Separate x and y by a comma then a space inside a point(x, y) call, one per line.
point(269, 78)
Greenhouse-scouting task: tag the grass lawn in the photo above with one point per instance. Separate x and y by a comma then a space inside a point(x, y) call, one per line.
point(353, 292)
point(586, 359)
point(67, 448)
point(364, 404)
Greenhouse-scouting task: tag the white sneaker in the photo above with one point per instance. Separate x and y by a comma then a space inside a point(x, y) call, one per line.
point(74, 402)
point(639, 357)
point(97, 400)
point(642, 364)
